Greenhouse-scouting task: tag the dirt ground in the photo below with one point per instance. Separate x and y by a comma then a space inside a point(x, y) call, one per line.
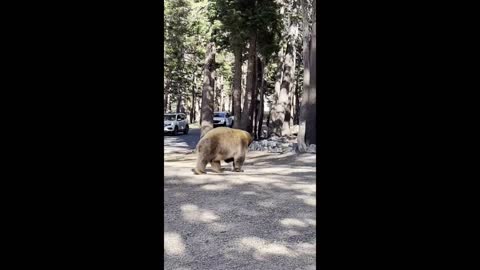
point(263, 218)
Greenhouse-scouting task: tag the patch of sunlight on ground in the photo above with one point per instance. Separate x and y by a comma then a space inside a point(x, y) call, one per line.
point(249, 193)
point(262, 247)
point(310, 200)
point(173, 244)
point(216, 187)
point(293, 222)
point(306, 248)
point(193, 213)
point(311, 221)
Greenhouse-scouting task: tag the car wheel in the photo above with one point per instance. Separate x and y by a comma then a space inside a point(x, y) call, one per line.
point(175, 131)
point(185, 132)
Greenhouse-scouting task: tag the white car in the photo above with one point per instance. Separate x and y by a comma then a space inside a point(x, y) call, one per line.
point(174, 123)
point(222, 119)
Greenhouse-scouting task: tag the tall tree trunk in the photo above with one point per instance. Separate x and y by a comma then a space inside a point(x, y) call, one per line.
point(275, 126)
point(254, 95)
point(255, 104)
point(249, 90)
point(293, 80)
point(192, 107)
point(311, 132)
point(165, 103)
point(297, 105)
point(283, 108)
point(226, 102)
point(261, 105)
point(281, 111)
point(170, 103)
point(179, 103)
point(198, 108)
point(221, 107)
point(231, 104)
point(208, 89)
point(244, 83)
point(237, 88)
point(218, 93)
point(305, 102)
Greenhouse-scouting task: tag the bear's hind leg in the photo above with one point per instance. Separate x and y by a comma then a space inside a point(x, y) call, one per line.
point(201, 165)
point(238, 163)
point(216, 166)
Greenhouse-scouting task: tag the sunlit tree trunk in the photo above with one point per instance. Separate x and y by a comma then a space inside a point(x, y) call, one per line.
point(254, 96)
point(179, 103)
point(192, 107)
point(165, 103)
point(249, 90)
point(274, 126)
point(237, 91)
point(208, 89)
point(311, 132)
point(261, 108)
point(282, 113)
point(307, 129)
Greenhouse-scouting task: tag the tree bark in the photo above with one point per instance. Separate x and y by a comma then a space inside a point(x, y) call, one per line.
point(179, 103)
point(237, 91)
point(249, 90)
point(261, 105)
point(222, 94)
point(218, 93)
point(281, 112)
point(274, 126)
point(254, 96)
point(208, 89)
point(311, 132)
point(192, 107)
point(170, 104)
point(297, 105)
point(304, 107)
point(198, 108)
point(165, 103)
point(258, 76)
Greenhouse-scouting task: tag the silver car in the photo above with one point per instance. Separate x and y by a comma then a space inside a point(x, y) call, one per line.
point(222, 119)
point(174, 123)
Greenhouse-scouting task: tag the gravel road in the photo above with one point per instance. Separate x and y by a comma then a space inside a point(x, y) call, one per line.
point(263, 218)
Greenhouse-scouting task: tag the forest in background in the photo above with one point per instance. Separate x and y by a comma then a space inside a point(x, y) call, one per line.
point(253, 58)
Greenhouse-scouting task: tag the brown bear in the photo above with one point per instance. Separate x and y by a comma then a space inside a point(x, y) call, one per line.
point(219, 144)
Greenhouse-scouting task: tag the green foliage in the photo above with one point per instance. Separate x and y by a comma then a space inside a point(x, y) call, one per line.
point(191, 24)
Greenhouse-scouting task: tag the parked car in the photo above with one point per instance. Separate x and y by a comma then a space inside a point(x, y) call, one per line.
point(175, 122)
point(222, 119)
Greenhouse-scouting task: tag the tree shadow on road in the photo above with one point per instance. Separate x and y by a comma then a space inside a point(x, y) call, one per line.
point(257, 221)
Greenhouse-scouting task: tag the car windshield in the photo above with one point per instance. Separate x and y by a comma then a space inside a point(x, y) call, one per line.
point(169, 117)
point(218, 115)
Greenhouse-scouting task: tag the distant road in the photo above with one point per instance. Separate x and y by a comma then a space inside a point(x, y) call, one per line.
point(181, 143)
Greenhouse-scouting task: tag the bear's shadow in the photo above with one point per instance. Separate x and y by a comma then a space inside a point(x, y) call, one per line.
point(225, 170)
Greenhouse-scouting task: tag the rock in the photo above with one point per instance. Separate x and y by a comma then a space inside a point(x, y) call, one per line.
point(276, 145)
point(274, 138)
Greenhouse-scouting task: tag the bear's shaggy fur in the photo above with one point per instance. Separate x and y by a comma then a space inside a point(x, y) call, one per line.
point(222, 143)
